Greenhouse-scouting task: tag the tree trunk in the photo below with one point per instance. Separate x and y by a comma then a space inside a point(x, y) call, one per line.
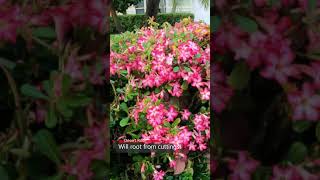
point(174, 6)
point(152, 8)
point(116, 20)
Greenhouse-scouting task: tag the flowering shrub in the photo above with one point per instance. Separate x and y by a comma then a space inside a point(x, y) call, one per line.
point(161, 86)
point(52, 54)
point(267, 52)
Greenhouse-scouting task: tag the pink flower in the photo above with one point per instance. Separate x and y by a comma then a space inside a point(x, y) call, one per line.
point(155, 115)
point(62, 22)
point(84, 157)
point(213, 166)
point(185, 114)
point(81, 168)
point(280, 68)
point(9, 23)
point(143, 168)
point(158, 175)
point(73, 67)
point(314, 41)
point(243, 167)
point(192, 146)
point(305, 103)
point(313, 72)
point(223, 92)
point(205, 94)
point(201, 122)
point(40, 112)
point(202, 146)
point(176, 90)
point(172, 113)
point(182, 138)
point(172, 163)
point(260, 3)
point(280, 173)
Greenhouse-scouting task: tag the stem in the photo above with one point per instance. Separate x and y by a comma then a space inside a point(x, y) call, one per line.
point(41, 42)
point(20, 123)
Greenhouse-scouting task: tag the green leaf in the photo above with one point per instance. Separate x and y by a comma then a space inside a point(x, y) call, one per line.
point(184, 85)
point(119, 90)
point(318, 131)
point(51, 120)
point(301, 126)
point(7, 63)
point(55, 177)
point(124, 122)
point(168, 87)
point(198, 56)
point(186, 68)
point(86, 71)
point(47, 87)
point(176, 69)
point(44, 32)
point(66, 83)
point(215, 21)
point(3, 173)
point(157, 90)
point(166, 124)
point(261, 173)
point(176, 122)
point(46, 145)
point(246, 24)
point(297, 152)
point(134, 136)
point(124, 107)
point(312, 5)
point(23, 153)
point(77, 101)
point(100, 169)
point(273, 2)
point(137, 158)
point(124, 72)
point(239, 76)
point(62, 107)
point(32, 91)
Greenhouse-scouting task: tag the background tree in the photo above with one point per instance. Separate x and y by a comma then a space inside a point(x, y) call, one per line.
point(152, 8)
point(205, 3)
point(176, 3)
point(121, 6)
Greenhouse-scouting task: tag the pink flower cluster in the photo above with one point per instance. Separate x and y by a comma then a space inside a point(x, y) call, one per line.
point(10, 21)
point(84, 13)
point(157, 115)
point(244, 166)
point(172, 62)
point(71, 14)
point(83, 158)
point(270, 51)
point(167, 63)
point(220, 100)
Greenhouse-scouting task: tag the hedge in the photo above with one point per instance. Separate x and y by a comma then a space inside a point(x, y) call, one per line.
point(132, 22)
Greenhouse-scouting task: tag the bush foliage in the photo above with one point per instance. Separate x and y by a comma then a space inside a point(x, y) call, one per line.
point(132, 22)
point(160, 80)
